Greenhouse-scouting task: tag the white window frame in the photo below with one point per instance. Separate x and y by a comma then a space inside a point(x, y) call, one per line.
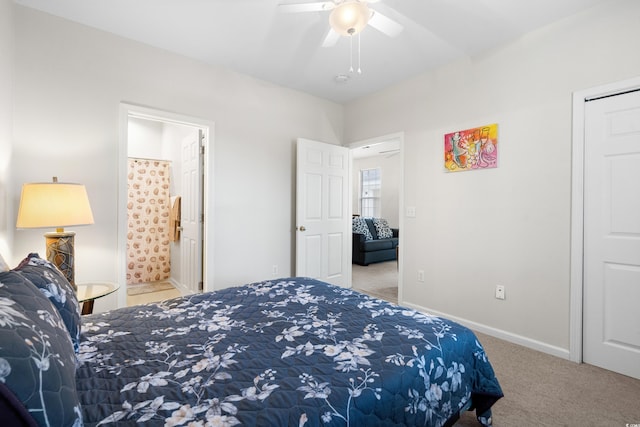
point(370, 197)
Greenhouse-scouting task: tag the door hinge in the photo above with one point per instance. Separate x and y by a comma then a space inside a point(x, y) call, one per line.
point(202, 149)
point(200, 286)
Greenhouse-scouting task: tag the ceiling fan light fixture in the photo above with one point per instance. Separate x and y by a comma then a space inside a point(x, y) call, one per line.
point(350, 17)
point(341, 78)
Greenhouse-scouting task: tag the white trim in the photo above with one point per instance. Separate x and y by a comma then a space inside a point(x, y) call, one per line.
point(357, 144)
point(498, 333)
point(131, 110)
point(577, 206)
point(180, 287)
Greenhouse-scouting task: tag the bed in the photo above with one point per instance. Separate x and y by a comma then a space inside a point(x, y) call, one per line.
point(287, 352)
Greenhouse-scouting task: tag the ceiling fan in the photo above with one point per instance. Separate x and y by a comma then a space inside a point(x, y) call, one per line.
point(347, 18)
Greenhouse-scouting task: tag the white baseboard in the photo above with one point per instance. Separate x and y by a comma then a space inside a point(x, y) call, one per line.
point(179, 286)
point(499, 333)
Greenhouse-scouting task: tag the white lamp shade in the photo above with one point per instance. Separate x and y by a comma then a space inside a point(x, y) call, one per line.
point(53, 204)
point(350, 17)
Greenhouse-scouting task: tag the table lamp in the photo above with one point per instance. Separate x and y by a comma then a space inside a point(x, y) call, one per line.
point(56, 204)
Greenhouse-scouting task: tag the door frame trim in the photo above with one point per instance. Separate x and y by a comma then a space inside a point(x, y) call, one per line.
point(361, 143)
point(207, 126)
point(577, 206)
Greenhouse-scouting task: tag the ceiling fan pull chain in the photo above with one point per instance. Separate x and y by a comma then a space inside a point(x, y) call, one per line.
point(351, 53)
point(359, 69)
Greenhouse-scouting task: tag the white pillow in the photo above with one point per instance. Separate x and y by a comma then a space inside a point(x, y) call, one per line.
point(3, 264)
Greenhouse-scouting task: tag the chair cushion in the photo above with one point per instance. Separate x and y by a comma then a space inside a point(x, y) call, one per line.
point(359, 226)
point(37, 361)
point(52, 283)
point(377, 245)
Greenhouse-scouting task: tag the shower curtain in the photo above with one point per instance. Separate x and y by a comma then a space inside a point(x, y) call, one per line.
point(148, 209)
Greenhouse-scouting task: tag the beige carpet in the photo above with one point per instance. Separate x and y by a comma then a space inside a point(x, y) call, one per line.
point(540, 390)
point(145, 288)
point(543, 390)
point(380, 280)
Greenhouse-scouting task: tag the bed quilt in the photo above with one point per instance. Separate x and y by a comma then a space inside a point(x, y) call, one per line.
point(289, 352)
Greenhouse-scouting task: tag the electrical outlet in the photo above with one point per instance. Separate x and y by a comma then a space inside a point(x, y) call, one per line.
point(420, 275)
point(500, 292)
point(274, 269)
point(411, 211)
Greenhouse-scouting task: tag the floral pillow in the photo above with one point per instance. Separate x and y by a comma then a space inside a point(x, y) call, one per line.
point(37, 361)
point(55, 286)
point(382, 228)
point(359, 225)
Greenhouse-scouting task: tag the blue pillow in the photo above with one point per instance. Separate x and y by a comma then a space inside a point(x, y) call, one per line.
point(37, 361)
point(56, 287)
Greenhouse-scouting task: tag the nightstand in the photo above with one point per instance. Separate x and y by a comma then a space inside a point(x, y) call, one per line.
point(89, 292)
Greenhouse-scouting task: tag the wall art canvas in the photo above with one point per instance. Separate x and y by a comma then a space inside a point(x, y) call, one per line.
point(471, 149)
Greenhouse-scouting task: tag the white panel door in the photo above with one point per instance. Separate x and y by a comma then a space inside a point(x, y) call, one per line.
point(191, 213)
point(612, 234)
point(323, 230)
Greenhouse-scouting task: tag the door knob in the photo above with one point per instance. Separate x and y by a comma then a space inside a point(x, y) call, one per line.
point(301, 228)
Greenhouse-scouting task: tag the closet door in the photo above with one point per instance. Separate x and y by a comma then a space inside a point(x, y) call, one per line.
point(612, 234)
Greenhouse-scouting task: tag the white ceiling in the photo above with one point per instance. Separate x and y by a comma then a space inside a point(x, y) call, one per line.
point(254, 37)
point(384, 148)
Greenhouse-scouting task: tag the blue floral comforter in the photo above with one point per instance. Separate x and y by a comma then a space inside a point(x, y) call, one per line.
point(290, 352)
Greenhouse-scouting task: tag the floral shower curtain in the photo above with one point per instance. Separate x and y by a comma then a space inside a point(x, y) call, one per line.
point(148, 208)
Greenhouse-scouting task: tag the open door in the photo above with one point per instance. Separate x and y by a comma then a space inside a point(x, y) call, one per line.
point(191, 219)
point(323, 226)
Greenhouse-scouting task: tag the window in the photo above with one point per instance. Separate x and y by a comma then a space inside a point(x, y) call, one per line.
point(370, 185)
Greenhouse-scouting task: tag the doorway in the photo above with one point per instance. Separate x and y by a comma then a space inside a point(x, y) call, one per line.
point(381, 157)
point(165, 169)
point(605, 265)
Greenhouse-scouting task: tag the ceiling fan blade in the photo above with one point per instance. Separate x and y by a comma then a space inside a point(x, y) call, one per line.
point(331, 39)
point(306, 7)
point(385, 25)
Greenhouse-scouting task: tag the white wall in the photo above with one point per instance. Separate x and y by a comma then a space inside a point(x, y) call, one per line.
point(145, 139)
point(510, 225)
point(70, 80)
point(6, 125)
point(389, 195)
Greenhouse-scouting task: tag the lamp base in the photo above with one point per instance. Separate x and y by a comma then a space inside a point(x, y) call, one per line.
point(60, 252)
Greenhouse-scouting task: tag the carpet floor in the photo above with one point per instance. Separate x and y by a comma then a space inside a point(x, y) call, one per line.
point(379, 280)
point(544, 390)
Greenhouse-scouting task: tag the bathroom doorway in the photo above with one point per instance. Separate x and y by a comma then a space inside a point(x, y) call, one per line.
point(163, 223)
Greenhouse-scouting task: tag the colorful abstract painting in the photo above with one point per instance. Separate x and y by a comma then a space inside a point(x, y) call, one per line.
point(471, 149)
